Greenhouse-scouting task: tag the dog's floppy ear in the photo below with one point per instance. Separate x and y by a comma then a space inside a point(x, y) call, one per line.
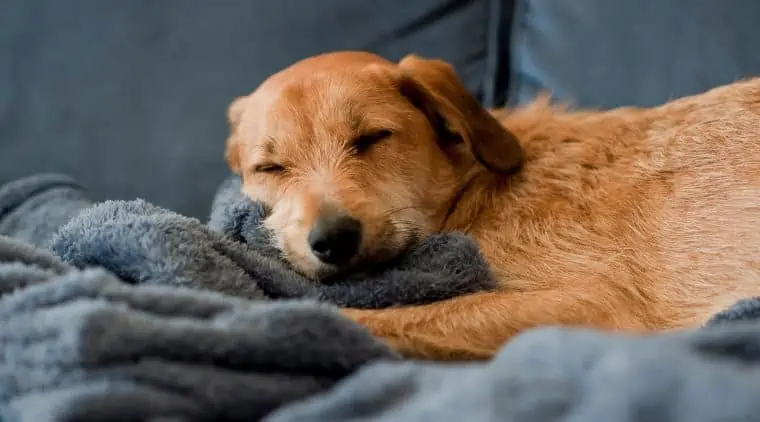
point(232, 152)
point(433, 86)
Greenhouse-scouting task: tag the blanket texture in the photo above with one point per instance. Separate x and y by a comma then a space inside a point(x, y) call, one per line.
point(121, 310)
point(144, 244)
point(90, 335)
point(82, 345)
point(563, 375)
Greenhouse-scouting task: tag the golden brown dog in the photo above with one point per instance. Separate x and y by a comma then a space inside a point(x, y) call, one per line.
point(630, 219)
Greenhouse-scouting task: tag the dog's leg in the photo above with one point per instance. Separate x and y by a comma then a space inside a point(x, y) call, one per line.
point(475, 326)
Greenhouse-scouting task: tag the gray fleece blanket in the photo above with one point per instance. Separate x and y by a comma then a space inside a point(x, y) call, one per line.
point(122, 310)
point(568, 375)
point(144, 244)
point(87, 335)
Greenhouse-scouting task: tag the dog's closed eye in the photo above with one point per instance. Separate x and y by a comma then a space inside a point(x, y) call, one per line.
point(363, 143)
point(269, 168)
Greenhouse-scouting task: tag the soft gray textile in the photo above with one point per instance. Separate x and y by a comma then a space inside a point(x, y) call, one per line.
point(611, 53)
point(82, 345)
point(443, 266)
point(744, 310)
point(125, 320)
point(555, 374)
point(33, 208)
point(144, 244)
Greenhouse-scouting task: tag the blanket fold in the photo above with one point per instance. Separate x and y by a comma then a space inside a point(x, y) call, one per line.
point(33, 208)
point(76, 340)
point(562, 375)
point(145, 244)
point(442, 266)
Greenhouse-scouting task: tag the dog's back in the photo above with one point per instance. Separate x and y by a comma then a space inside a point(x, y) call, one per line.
point(707, 228)
point(662, 204)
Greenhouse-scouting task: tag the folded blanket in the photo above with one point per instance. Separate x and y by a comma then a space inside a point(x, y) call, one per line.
point(561, 374)
point(82, 345)
point(145, 244)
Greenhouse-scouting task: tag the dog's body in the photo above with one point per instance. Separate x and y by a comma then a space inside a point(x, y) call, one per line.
point(630, 219)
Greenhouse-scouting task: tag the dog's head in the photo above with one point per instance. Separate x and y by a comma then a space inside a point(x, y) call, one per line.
point(359, 157)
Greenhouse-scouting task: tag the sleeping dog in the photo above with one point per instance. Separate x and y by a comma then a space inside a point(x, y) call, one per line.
point(631, 219)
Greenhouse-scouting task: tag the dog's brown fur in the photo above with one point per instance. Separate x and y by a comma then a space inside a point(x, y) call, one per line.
point(630, 219)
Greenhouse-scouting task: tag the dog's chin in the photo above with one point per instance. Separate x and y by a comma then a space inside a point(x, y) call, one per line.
point(363, 265)
point(322, 273)
point(328, 274)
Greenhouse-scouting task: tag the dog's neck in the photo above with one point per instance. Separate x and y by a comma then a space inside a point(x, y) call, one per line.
point(567, 154)
point(468, 202)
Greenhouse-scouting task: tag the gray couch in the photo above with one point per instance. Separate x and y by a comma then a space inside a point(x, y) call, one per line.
point(129, 96)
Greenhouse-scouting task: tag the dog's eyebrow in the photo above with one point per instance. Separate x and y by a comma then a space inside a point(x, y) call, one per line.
point(355, 118)
point(375, 124)
point(266, 146)
point(374, 119)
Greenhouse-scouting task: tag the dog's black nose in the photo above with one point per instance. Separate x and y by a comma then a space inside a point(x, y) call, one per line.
point(335, 239)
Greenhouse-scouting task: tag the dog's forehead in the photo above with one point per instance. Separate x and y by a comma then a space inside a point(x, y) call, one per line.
point(320, 100)
point(301, 103)
point(318, 106)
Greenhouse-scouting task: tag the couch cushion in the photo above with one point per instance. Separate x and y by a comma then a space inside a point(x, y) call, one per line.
point(607, 53)
point(129, 97)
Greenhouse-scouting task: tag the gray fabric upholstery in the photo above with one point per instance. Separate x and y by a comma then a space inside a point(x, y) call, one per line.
point(129, 97)
point(608, 53)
